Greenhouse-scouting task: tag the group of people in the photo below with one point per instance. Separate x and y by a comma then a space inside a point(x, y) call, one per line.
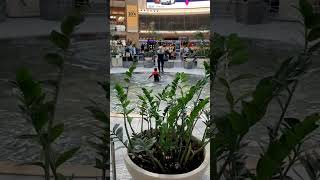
point(163, 53)
point(131, 52)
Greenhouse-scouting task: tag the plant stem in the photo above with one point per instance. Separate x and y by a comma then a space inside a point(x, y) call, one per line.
point(57, 91)
point(157, 162)
point(188, 154)
point(126, 128)
point(46, 166)
point(275, 132)
point(200, 149)
point(225, 163)
point(305, 40)
point(291, 162)
point(142, 124)
point(213, 162)
point(204, 135)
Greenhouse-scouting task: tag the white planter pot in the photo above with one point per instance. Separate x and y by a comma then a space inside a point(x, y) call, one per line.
point(189, 59)
point(138, 173)
point(148, 58)
point(116, 61)
point(200, 62)
point(15, 8)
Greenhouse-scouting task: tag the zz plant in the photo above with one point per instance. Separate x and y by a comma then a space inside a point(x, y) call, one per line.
point(165, 143)
point(101, 146)
point(39, 109)
point(288, 134)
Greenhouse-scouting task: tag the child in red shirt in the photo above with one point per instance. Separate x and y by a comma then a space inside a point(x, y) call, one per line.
point(155, 75)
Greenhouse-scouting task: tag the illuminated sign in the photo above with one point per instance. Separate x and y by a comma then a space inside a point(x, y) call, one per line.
point(177, 4)
point(132, 18)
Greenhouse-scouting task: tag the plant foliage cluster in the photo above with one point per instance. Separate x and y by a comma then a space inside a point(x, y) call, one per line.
point(287, 135)
point(39, 107)
point(165, 143)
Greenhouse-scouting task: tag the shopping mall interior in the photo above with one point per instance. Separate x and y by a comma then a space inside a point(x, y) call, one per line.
point(148, 24)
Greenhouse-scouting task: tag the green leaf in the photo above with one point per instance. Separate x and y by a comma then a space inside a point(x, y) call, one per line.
point(40, 117)
point(314, 34)
point(69, 23)
point(130, 111)
point(206, 67)
point(242, 76)
point(129, 119)
point(234, 43)
point(280, 149)
point(119, 133)
point(30, 88)
point(224, 82)
point(115, 127)
point(306, 11)
point(243, 96)
point(239, 124)
point(239, 57)
point(60, 40)
point(56, 132)
point(197, 109)
point(98, 114)
point(314, 47)
point(54, 59)
point(292, 121)
point(230, 98)
point(62, 158)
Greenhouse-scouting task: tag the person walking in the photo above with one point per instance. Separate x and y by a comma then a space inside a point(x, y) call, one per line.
point(142, 48)
point(134, 52)
point(160, 58)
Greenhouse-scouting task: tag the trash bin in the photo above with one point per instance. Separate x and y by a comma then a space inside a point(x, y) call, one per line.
point(55, 9)
point(250, 11)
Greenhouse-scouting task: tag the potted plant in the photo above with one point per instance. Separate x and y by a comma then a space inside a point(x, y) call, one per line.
point(3, 13)
point(164, 147)
point(190, 61)
point(38, 104)
point(23, 8)
point(116, 59)
point(202, 55)
point(286, 154)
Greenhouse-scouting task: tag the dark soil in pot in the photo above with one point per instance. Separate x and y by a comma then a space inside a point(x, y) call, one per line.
point(169, 161)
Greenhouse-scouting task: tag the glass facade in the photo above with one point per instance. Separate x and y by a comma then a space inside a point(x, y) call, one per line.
point(174, 22)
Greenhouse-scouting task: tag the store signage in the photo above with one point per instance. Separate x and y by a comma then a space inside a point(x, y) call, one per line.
point(132, 18)
point(177, 4)
point(132, 14)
